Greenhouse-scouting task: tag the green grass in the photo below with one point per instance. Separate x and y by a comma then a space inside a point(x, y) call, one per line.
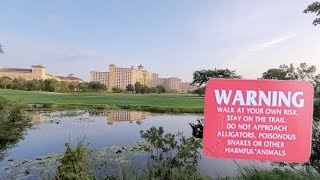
point(274, 174)
point(172, 103)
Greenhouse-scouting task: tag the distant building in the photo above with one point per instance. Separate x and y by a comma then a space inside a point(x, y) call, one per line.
point(121, 77)
point(173, 84)
point(162, 82)
point(186, 87)
point(37, 72)
point(69, 78)
point(120, 116)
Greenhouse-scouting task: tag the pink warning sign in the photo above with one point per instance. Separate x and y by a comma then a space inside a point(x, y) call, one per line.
point(258, 120)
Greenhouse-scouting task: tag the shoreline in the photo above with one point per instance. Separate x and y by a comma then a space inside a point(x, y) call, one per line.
point(151, 109)
point(155, 103)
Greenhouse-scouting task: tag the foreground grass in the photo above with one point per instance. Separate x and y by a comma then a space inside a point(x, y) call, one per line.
point(274, 174)
point(171, 103)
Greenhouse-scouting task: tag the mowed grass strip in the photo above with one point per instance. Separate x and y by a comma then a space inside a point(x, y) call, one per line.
point(165, 100)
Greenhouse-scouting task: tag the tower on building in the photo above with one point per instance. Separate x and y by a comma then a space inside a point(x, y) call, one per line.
point(140, 67)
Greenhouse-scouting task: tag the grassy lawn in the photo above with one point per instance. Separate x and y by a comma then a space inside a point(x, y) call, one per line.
point(120, 100)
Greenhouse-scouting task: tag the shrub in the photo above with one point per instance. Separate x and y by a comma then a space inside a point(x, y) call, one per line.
point(253, 173)
point(73, 164)
point(13, 125)
point(173, 156)
point(116, 89)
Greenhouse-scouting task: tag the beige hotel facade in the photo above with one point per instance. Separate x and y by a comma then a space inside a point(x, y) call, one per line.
point(121, 77)
point(36, 72)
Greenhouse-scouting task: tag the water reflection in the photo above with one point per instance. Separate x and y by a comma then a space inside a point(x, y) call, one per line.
point(52, 130)
point(122, 116)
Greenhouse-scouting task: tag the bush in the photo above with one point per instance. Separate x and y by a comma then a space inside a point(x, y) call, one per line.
point(173, 156)
point(73, 164)
point(253, 173)
point(6, 82)
point(51, 105)
point(96, 86)
point(117, 89)
point(200, 91)
point(50, 85)
point(13, 125)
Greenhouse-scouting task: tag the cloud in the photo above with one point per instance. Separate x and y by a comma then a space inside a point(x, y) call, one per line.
point(273, 42)
point(253, 59)
point(56, 23)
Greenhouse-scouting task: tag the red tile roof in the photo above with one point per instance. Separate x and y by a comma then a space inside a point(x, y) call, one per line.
point(69, 78)
point(37, 66)
point(20, 70)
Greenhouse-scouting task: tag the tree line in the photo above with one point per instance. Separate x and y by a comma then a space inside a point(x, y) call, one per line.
point(139, 88)
point(52, 85)
point(283, 72)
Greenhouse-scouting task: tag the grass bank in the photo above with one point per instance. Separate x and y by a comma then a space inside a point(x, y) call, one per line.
point(161, 103)
point(252, 173)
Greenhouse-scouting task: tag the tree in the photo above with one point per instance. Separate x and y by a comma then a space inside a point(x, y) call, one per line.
point(145, 89)
point(19, 83)
point(1, 49)
point(74, 164)
point(13, 124)
point(303, 72)
point(64, 87)
point(129, 88)
point(203, 76)
point(153, 90)
point(197, 129)
point(161, 89)
point(84, 87)
point(274, 73)
point(314, 8)
point(33, 85)
point(138, 87)
point(5, 82)
point(116, 89)
point(72, 86)
point(290, 72)
point(50, 85)
point(171, 153)
point(96, 86)
point(200, 91)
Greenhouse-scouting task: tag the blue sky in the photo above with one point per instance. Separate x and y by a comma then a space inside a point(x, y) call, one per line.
point(170, 37)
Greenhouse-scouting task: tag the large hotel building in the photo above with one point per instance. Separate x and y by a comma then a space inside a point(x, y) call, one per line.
point(121, 77)
point(37, 72)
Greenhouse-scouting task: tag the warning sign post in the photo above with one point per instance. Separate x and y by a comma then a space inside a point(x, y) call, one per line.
point(258, 120)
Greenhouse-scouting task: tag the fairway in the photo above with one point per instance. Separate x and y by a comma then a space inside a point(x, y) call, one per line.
point(152, 100)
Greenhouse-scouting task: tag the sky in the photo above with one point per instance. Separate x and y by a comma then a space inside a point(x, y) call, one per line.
point(173, 38)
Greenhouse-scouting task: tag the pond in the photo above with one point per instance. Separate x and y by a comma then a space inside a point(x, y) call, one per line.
point(51, 131)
